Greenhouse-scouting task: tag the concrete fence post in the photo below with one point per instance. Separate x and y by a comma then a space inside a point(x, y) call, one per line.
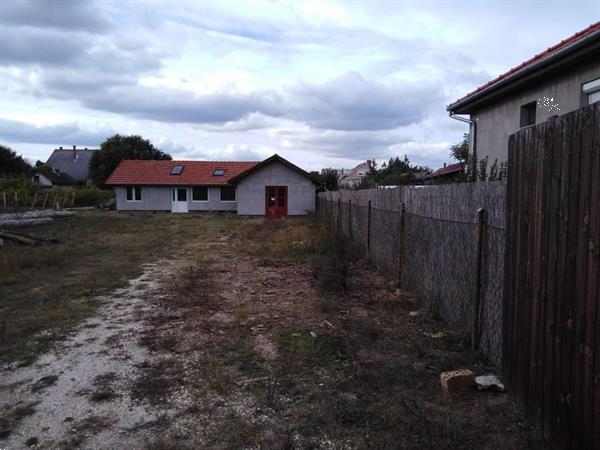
point(480, 230)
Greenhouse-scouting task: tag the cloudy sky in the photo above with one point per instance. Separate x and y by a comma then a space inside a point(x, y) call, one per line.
point(321, 83)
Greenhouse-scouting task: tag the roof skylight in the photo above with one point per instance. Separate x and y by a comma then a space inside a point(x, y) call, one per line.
point(218, 172)
point(176, 170)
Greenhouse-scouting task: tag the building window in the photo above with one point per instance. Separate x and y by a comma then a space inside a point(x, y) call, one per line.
point(228, 193)
point(591, 91)
point(134, 194)
point(200, 193)
point(360, 174)
point(528, 114)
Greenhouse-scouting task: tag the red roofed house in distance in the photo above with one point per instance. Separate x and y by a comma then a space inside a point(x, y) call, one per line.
point(274, 187)
point(561, 79)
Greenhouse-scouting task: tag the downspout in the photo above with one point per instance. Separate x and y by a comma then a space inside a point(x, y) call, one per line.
point(473, 132)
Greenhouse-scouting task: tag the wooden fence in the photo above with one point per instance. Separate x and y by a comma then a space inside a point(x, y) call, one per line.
point(551, 354)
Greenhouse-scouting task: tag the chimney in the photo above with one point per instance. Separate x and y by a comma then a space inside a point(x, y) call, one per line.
point(444, 165)
point(60, 148)
point(369, 162)
point(74, 152)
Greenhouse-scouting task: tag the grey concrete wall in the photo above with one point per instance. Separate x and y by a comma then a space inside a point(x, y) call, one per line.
point(497, 121)
point(251, 190)
point(158, 198)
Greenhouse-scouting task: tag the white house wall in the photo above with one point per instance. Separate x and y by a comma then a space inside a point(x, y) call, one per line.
point(158, 198)
point(251, 190)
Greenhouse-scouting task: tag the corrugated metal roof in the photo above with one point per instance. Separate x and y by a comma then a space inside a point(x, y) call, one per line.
point(151, 172)
point(78, 169)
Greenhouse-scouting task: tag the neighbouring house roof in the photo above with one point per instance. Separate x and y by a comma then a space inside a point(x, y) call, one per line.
point(151, 172)
point(78, 168)
point(565, 47)
point(352, 175)
point(57, 178)
point(273, 159)
point(448, 170)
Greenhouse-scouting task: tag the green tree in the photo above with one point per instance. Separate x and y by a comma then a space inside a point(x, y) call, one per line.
point(12, 164)
point(393, 173)
point(329, 180)
point(117, 148)
point(460, 151)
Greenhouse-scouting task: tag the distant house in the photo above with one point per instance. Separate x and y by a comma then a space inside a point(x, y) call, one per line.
point(561, 79)
point(274, 187)
point(69, 167)
point(49, 179)
point(352, 178)
point(446, 174)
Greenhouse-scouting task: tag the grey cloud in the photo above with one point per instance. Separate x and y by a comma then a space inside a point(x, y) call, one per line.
point(14, 131)
point(170, 105)
point(346, 103)
point(357, 145)
point(59, 14)
point(352, 103)
point(30, 45)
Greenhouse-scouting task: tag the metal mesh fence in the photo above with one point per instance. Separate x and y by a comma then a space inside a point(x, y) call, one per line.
point(385, 240)
point(438, 261)
point(435, 259)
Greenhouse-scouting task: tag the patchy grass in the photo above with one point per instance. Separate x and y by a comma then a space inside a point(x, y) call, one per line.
point(43, 383)
point(350, 367)
point(45, 291)
point(11, 418)
point(159, 378)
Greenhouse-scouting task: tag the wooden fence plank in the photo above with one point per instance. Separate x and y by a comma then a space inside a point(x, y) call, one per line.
point(551, 358)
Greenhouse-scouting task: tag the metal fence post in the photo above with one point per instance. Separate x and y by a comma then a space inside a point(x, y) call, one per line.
point(350, 218)
point(339, 214)
point(400, 243)
point(480, 229)
point(369, 229)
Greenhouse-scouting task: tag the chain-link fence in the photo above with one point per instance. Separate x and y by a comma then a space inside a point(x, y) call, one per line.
point(440, 259)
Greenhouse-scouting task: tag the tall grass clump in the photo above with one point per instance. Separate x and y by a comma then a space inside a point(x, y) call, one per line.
point(334, 252)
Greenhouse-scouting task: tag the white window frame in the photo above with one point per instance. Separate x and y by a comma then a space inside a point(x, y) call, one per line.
point(589, 89)
point(207, 195)
point(228, 201)
point(133, 197)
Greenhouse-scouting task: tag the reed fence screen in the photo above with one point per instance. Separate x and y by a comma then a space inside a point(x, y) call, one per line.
point(444, 243)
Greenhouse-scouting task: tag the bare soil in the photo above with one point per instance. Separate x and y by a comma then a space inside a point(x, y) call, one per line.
point(233, 344)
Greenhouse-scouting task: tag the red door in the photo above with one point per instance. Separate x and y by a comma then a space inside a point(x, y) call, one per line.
point(276, 201)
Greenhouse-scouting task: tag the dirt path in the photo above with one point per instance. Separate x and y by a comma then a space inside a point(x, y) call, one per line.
point(77, 395)
point(234, 346)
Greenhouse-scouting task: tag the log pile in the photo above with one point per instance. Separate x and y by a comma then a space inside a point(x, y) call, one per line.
point(32, 217)
point(25, 239)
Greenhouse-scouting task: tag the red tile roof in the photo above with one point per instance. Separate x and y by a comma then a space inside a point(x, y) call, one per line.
point(150, 172)
point(450, 168)
point(539, 57)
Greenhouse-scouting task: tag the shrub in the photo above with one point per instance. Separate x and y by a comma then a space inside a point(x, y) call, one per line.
point(91, 196)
